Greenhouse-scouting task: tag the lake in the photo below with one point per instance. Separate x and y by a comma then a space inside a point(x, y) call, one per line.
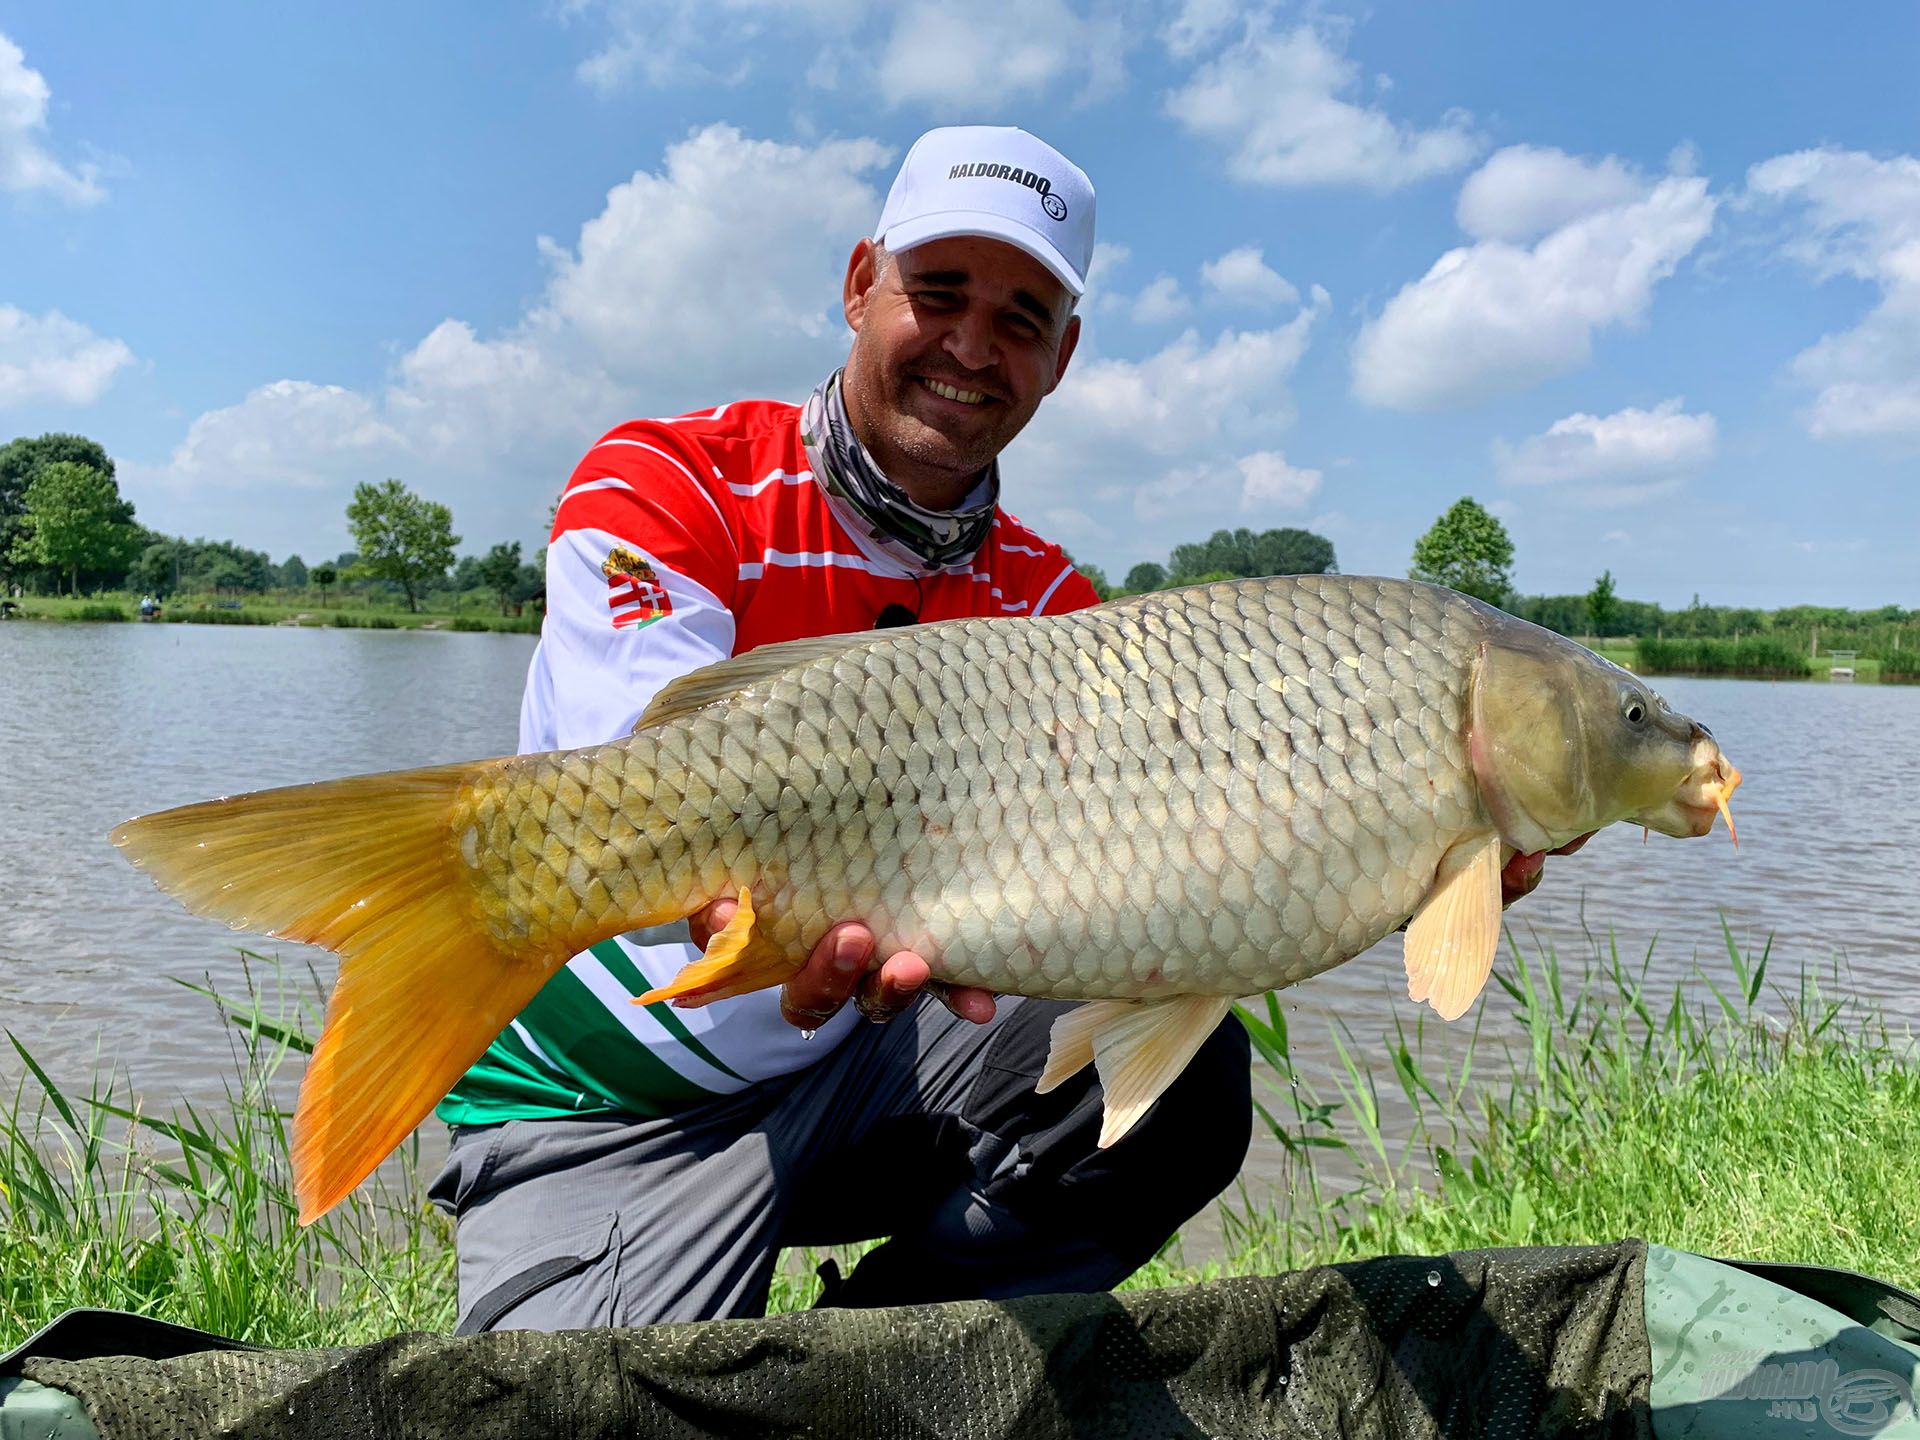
point(102, 722)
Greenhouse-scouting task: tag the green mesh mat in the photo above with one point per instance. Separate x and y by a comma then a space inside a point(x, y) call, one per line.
point(1504, 1343)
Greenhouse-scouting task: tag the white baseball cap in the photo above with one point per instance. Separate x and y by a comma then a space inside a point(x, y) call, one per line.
point(996, 181)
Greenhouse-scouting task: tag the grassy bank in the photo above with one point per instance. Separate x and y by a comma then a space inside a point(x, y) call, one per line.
point(342, 614)
point(1732, 1119)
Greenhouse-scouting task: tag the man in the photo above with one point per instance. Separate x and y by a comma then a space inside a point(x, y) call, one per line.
point(619, 1165)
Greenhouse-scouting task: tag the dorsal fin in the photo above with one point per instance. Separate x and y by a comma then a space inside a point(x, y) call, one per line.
point(725, 678)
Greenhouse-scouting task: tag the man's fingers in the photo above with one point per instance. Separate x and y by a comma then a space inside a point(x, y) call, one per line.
point(969, 1002)
point(1574, 844)
point(1519, 875)
point(707, 923)
point(893, 987)
point(832, 971)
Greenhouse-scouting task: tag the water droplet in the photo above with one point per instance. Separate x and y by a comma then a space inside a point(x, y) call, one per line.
point(808, 1034)
point(1433, 1278)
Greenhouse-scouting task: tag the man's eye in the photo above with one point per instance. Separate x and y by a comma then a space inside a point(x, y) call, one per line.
point(945, 299)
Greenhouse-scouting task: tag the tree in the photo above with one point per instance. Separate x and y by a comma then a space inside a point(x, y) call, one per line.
point(19, 460)
point(1601, 604)
point(323, 575)
point(1469, 550)
point(402, 538)
point(75, 520)
point(158, 569)
point(1146, 576)
point(1245, 554)
point(500, 572)
point(293, 573)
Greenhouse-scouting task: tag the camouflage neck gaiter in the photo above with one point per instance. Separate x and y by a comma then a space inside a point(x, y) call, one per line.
point(931, 539)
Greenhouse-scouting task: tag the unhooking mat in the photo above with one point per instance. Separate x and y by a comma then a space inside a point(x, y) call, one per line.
point(1616, 1340)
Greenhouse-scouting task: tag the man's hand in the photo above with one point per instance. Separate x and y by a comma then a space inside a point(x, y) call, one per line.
point(836, 972)
point(1522, 873)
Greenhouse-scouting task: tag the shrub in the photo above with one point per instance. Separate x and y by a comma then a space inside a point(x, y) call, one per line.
point(100, 610)
point(469, 624)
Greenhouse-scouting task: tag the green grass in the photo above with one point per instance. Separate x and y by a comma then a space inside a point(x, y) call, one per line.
point(1732, 1118)
point(346, 612)
point(191, 1217)
point(1756, 655)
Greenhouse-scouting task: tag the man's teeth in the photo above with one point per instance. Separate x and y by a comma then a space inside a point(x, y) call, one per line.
point(948, 392)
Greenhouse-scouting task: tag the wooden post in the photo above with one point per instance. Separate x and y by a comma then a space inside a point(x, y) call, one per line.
point(1816, 642)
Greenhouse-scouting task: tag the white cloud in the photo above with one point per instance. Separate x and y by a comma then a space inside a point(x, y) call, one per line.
point(1524, 191)
point(926, 52)
point(1199, 24)
point(1243, 277)
point(1612, 459)
point(1498, 316)
point(25, 164)
point(493, 424)
point(1160, 302)
point(961, 58)
point(1275, 100)
point(1857, 216)
point(49, 358)
point(1268, 481)
point(1185, 434)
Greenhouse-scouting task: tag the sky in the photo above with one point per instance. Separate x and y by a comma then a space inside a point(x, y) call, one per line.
point(1643, 279)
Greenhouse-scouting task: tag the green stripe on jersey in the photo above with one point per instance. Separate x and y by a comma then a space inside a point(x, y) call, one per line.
point(592, 1065)
point(615, 958)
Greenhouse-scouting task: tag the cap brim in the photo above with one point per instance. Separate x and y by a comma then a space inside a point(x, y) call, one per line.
point(950, 223)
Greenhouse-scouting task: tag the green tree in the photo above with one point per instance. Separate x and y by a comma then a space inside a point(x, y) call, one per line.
point(1468, 550)
point(402, 538)
point(1146, 576)
point(499, 571)
point(75, 520)
point(1602, 607)
point(19, 460)
point(324, 575)
point(293, 573)
point(1244, 553)
point(159, 566)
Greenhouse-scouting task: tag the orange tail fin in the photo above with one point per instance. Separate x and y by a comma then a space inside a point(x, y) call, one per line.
point(368, 867)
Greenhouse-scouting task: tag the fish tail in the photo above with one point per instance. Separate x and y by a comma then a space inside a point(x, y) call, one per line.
point(372, 868)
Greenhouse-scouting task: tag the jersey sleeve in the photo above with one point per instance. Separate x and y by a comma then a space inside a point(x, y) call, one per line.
point(641, 572)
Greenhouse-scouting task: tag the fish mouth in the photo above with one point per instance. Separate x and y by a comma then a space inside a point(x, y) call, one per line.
point(1700, 799)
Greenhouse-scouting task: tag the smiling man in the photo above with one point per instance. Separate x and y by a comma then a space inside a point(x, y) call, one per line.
point(613, 1164)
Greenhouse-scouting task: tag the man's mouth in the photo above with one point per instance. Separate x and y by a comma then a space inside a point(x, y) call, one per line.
point(954, 392)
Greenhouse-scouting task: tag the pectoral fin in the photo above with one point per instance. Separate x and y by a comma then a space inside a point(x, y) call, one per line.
point(1139, 1047)
point(1452, 937)
point(735, 962)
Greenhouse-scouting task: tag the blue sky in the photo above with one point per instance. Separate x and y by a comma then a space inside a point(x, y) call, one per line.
point(1646, 281)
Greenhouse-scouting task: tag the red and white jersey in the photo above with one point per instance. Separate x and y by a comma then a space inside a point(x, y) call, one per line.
point(681, 542)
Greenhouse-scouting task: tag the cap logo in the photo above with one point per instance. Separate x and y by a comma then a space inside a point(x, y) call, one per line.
point(1050, 202)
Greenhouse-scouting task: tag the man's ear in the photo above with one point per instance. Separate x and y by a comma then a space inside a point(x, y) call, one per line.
point(862, 275)
point(1068, 342)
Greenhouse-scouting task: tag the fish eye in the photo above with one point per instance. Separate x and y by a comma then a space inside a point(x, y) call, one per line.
point(1633, 706)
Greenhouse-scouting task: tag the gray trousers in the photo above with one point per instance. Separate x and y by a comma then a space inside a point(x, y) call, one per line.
point(925, 1130)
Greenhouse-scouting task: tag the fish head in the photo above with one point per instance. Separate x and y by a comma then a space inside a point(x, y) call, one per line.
point(1564, 742)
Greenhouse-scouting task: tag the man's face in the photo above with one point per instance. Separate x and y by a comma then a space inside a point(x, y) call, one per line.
point(977, 319)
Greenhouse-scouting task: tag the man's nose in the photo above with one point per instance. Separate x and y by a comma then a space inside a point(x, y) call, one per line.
point(970, 339)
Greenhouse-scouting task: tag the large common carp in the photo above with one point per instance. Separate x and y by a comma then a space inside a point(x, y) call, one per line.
point(1158, 804)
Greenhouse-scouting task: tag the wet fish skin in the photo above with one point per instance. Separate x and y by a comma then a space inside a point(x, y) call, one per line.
point(1220, 790)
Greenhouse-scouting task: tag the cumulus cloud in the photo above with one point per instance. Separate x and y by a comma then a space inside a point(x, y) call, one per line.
point(494, 423)
point(51, 359)
point(1276, 100)
point(960, 58)
point(1497, 315)
point(1612, 459)
point(1160, 302)
point(1185, 434)
point(1524, 191)
point(25, 164)
point(1856, 215)
point(1243, 277)
point(928, 53)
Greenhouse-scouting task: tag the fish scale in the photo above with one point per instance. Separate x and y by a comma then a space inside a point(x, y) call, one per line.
point(1105, 807)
